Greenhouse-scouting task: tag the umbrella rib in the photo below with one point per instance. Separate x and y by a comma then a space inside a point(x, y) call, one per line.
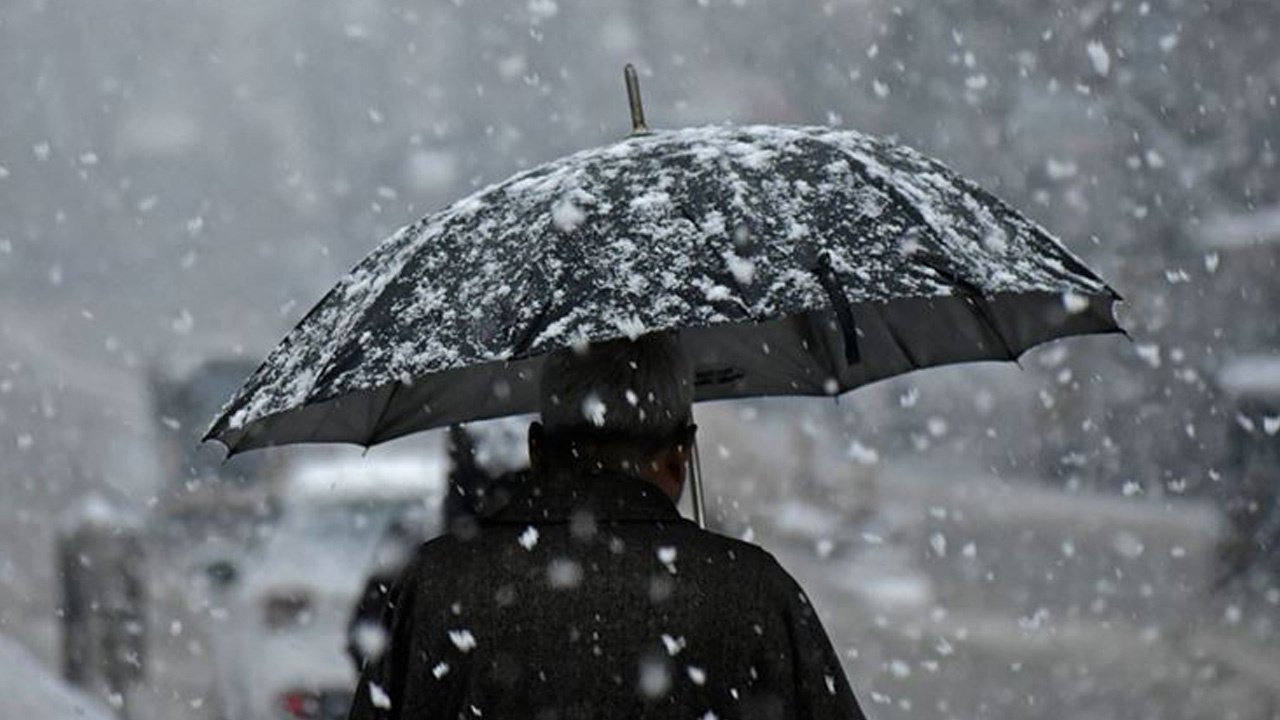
point(902, 346)
point(968, 288)
point(914, 213)
point(1074, 264)
point(532, 331)
point(414, 248)
point(980, 304)
point(973, 295)
point(840, 304)
point(883, 185)
point(372, 436)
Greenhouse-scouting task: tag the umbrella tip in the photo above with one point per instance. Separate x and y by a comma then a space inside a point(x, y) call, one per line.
point(633, 98)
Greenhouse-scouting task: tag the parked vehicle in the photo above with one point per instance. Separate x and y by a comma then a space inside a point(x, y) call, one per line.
point(281, 653)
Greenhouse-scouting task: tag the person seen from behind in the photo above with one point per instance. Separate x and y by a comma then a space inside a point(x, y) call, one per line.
point(584, 594)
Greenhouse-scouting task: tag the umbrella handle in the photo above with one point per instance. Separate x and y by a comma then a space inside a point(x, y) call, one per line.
point(695, 486)
point(633, 100)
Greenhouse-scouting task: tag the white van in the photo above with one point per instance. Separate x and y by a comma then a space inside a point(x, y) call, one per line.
point(280, 653)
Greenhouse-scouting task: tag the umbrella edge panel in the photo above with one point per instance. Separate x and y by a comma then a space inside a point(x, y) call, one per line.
point(801, 354)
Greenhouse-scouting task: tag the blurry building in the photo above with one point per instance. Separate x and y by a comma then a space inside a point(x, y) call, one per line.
point(102, 608)
point(201, 493)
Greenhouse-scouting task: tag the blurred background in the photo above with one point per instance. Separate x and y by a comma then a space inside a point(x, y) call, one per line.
point(1091, 533)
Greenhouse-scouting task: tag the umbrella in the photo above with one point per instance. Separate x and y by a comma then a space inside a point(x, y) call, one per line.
point(793, 260)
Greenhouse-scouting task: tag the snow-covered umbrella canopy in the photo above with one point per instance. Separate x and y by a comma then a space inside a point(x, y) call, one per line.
point(793, 261)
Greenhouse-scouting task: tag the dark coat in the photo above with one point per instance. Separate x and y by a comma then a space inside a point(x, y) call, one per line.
point(468, 485)
point(594, 599)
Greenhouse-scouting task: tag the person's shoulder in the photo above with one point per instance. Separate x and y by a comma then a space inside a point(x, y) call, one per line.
point(765, 567)
point(430, 553)
point(773, 587)
point(438, 544)
point(777, 586)
point(750, 554)
point(443, 546)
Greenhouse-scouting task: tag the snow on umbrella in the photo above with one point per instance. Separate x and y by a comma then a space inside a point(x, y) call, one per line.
point(794, 261)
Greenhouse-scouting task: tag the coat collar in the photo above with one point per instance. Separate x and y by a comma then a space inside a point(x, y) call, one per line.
point(538, 499)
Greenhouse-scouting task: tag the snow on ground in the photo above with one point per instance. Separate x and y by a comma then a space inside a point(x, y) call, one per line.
point(30, 690)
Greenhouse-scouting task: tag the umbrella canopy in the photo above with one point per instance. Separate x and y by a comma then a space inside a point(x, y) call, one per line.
point(794, 261)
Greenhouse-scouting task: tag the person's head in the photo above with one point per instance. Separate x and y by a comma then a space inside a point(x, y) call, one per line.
point(618, 406)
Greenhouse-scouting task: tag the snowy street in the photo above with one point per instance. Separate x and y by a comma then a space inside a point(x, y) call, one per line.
point(964, 311)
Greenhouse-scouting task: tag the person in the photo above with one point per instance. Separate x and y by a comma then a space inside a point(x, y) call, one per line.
point(468, 482)
point(366, 630)
point(581, 592)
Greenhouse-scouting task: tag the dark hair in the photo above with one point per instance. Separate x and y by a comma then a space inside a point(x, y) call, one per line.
point(616, 403)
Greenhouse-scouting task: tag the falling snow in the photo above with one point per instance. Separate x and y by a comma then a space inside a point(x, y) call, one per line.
point(463, 640)
point(1099, 57)
point(1069, 526)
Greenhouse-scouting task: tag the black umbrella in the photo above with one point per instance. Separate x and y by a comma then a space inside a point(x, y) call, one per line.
point(794, 261)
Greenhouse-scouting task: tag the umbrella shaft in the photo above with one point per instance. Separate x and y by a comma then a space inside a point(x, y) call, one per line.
point(695, 482)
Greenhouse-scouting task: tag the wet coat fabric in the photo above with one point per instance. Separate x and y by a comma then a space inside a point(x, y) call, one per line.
point(586, 599)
